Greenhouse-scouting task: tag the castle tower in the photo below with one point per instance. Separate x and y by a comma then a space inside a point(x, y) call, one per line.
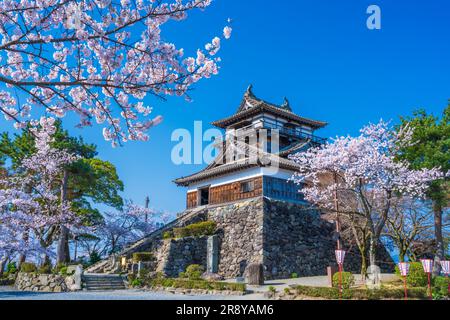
point(253, 157)
point(260, 216)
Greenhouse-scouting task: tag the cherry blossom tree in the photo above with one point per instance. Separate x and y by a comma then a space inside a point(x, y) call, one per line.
point(129, 225)
point(31, 210)
point(98, 59)
point(362, 176)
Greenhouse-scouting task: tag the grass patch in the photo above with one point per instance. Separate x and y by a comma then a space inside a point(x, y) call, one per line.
point(206, 228)
point(196, 284)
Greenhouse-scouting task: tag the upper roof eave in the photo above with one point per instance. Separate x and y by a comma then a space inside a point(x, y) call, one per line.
point(223, 123)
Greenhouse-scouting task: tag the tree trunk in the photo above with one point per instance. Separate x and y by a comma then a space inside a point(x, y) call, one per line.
point(403, 248)
point(63, 254)
point(363, 264)
point(22, 259)
point(75, 251)
point(439, 254)
point(372, 250)
point(2, 264)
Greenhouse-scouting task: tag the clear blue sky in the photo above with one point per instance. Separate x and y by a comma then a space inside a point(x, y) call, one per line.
point(317, 53)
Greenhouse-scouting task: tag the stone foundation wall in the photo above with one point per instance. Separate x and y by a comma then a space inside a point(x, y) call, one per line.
point(175, 255)
point(297, 240)
point(286, 238)
point(45, 282)
point(240, 231)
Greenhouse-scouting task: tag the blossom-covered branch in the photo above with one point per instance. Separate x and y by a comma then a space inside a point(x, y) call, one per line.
point(98, 59)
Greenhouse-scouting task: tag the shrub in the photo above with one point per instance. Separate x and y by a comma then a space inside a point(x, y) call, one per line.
point(11, 268)
point(45, 269)
point(131, 277)
point(168, 235)
point(294, 275)
point(272, 289)
point(136, 282)
point(60, 266)
point(143, 257)
point(205, 228)
point(28, 267)
point(63, 271)
point(318, 292)
point(194, 272)
point(144, 274)
point(440, 286)
point(182, 275)
point(287, 291)
point(348, 280)
point(361, 294)
point(416, 276)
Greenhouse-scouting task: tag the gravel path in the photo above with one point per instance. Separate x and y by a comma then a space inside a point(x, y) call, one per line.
point(9, 293)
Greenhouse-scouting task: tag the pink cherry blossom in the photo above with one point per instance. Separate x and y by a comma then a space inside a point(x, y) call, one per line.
point(98, 59)
point(227, 32)
point(30, 207)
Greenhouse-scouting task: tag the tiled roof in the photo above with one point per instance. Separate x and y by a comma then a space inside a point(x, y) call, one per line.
point(231, 167)
point(251, 105)
point(216, 168)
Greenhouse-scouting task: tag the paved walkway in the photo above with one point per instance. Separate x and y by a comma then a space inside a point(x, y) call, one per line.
point(9, 293)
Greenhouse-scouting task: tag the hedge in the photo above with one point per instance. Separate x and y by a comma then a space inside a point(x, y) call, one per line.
point(361, 294)
point(347, 280)
point(193, 272)
point(143, 257)
point(416, 276)
point(440, 286)
point(196, 284)
point(205, 228)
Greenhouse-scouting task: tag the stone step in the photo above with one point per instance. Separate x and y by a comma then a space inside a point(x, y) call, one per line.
point(103, 265)
point(103, 282)
point(104, 288)
point(92, 285)
point(106, 282)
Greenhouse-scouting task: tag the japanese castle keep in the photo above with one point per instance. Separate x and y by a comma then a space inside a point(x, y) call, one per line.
point(260, 215)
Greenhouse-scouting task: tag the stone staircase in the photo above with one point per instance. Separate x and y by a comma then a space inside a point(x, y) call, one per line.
point(103, 282)
point(140, 245)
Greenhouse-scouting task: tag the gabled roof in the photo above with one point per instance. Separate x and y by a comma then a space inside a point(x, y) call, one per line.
point(251, 105)
point(217, 168)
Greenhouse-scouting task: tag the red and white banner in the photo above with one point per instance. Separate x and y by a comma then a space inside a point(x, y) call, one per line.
point(427, 265)
point(340, 255)
point(445, 264)
point(404, 268)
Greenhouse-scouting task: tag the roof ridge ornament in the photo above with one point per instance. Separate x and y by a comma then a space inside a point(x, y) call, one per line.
point(249, 91)
point(286, 105)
